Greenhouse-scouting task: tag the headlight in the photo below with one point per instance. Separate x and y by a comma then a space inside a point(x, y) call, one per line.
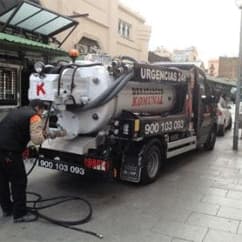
point(39, 67)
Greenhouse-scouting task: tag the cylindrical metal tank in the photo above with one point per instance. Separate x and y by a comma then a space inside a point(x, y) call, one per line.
point(91, 82)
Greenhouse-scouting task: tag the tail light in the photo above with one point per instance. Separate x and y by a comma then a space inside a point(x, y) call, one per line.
point(30, 152)
point(96, 164)
point(26, 154)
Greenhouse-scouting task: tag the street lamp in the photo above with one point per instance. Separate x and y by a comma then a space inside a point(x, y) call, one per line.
point(237, 102)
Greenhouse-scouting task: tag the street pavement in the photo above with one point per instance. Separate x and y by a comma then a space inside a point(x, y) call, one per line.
point(198, 197)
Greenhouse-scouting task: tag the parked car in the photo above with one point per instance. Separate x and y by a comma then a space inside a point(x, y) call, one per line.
point(240, 117)
point(224, 116)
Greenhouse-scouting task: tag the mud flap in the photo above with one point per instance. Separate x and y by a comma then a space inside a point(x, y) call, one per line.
point(131, 169)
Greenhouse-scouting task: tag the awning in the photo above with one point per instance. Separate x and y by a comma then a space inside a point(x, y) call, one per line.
point(35, 19)
point(221, 81)
point(12, 41)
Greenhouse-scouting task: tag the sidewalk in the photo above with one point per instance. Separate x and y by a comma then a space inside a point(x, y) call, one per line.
point(198, 197)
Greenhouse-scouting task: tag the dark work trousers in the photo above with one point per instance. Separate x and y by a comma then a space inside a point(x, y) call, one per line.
point(13, 175)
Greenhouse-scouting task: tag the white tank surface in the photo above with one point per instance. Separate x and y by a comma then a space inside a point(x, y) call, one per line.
point(85, 83)
point(86, 122)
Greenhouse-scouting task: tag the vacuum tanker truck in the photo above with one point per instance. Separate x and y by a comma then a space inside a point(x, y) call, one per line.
point(123, 119)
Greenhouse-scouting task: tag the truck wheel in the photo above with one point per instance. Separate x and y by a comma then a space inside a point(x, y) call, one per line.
point(221, 130)
point(209, 145)
point(151, 160)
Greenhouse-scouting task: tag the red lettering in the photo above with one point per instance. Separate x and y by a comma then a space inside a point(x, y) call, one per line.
point(40, 88)
point(154, 100)
point(146, 100)
point(161, 99)
point(140, 101)
point(134, 102)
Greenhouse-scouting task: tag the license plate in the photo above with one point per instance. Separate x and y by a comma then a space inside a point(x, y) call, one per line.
point(62, 166)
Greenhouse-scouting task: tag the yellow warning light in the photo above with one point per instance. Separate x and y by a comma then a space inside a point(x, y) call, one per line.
point(136, 125)
point(73, 53)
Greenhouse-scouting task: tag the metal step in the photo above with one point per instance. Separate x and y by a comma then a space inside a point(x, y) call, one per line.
point(181, 146)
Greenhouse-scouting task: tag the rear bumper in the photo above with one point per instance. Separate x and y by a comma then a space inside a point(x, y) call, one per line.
point(73, 163)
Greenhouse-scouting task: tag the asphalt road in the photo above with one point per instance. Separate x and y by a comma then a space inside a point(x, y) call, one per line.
point(196, 198)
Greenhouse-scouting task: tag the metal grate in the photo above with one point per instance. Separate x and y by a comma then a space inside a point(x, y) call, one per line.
point(8, 86)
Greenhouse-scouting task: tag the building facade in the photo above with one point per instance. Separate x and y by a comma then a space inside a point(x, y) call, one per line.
point(185, 55)
point(162, 51)
point(110, 27)
point(213, 67)
point(226, 67)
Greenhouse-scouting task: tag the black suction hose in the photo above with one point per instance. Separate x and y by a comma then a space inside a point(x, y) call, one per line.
point(117, 88)
point(54, 201)
point(98, 99)
point(51, 202)
point(107, 95)
point(34, 209)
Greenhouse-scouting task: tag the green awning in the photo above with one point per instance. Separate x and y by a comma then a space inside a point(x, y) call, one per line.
point(19, 43)
point(222, 81)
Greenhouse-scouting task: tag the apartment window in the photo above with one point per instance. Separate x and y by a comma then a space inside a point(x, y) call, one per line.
point(124, 29)
point(8, 86)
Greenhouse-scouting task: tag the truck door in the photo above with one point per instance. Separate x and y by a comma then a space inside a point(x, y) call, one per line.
point(205, 116)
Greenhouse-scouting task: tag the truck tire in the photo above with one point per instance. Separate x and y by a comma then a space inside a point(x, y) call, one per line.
point(221, 130)
point(209, 145)
point(151, 160)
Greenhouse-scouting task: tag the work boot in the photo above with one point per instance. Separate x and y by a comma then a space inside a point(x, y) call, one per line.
point(28, 217)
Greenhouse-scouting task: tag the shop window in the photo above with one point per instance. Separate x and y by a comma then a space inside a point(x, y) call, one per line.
point(8, 85)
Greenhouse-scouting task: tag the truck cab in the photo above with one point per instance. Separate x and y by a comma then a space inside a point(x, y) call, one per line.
point(204, 102)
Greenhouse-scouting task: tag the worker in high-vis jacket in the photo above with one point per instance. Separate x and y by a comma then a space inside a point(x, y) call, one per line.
point(16, 130)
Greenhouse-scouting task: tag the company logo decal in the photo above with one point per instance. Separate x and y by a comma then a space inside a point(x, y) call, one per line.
point(40, 89)
point(147, 96)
